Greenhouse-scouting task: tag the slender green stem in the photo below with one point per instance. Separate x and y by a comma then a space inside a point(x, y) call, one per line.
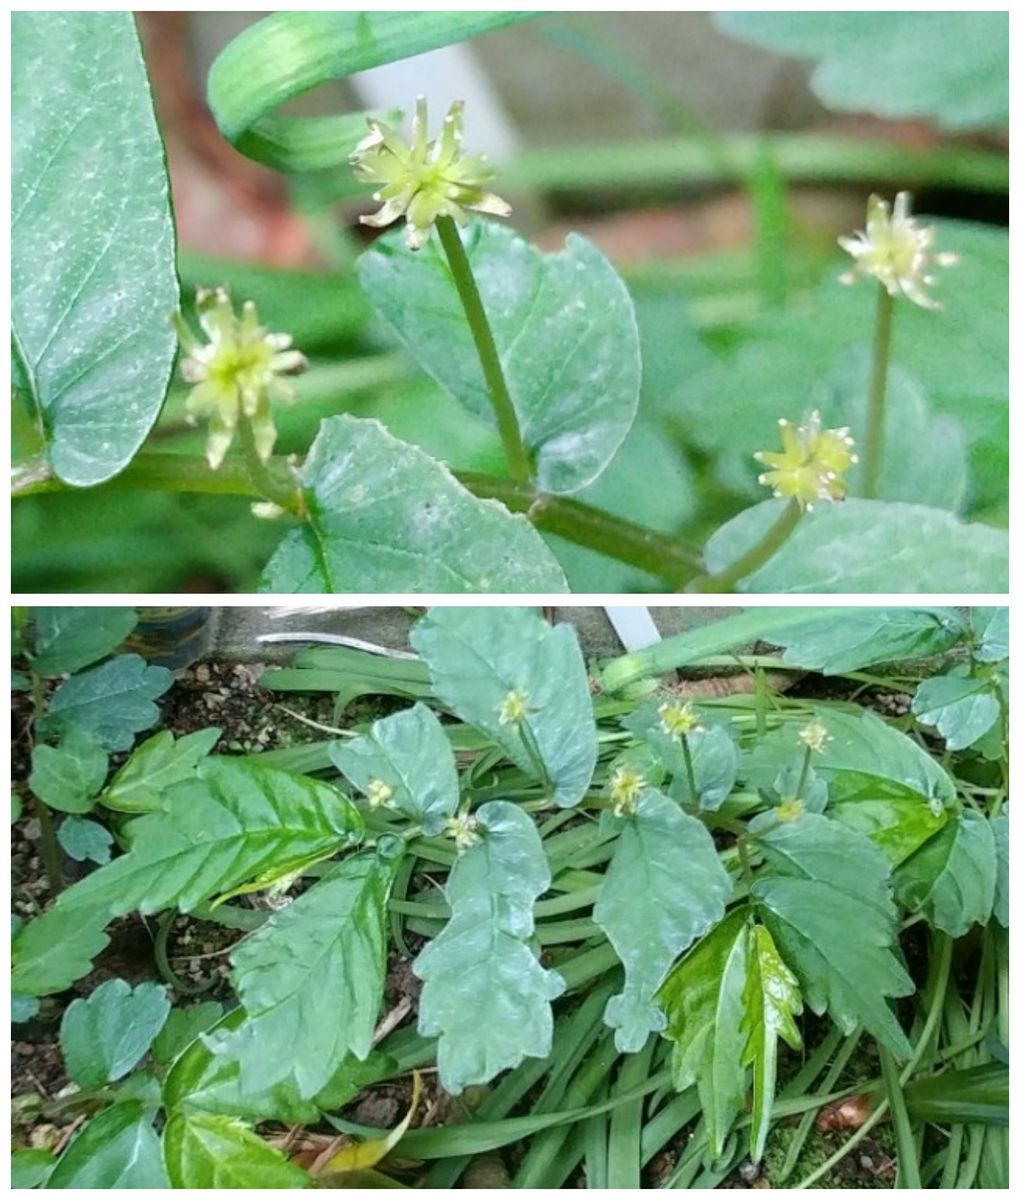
point(160, 948)
point(689, 767)
point(752, 560)
point(908, 1171)
point(50, 847)
point(266, 479)
point(802, 781)
point(518, 463)
point(871, 464)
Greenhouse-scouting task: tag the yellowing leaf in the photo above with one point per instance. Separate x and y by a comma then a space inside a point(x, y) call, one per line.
point(361, 1156)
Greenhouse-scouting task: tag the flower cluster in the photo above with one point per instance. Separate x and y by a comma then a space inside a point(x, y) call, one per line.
point(379, 793)
point(814, 736)
point(236, 373)
point(463, 828)
point(812, 463)
point(513, 708)
point(678, 720)
point(624, 789)
point(423, 180)
point(896, 250)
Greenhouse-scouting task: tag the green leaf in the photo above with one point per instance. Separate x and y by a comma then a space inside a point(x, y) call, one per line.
point(477, 657)
point(84, 840)
point(311, 979)
point(67, 639)
point(481, 962)
point(113, 701)
point(702, 998)
point(385, 517)
point(714, 757)
point(952, 66)
point(206, 1150)
point(665, 886)
point(288, 53)
point(93, 277)
point(961, 708)
point(867, 759)
point(952, 878)
point(849, 547)
point(23, 1008)
point(104, 1036)
point(411, 755)
point(30, 1168)
point(68, 777)
point(116, 1149)
point(235, 822)
point(897, 824)
point(863, 637)
point(1000, 831)
point(731, 405)
point(826, 901)
point(156, 764)
point(771, 1000)
point(182, 1027)
point(564, 327)
point(991, 625)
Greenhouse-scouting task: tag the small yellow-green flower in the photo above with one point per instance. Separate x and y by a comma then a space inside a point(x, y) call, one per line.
point(513, 708)
point(678, 720)
point(379, 793)
point(236, 373)
point(463, 828)
point(790, 810)
point(815, 737)
point(624, 788)
point(423, 180)
point(896, 250)
point(812, 463)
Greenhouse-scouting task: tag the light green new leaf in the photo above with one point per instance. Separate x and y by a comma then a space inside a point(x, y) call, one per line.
point(156, 764)
point(991, 625)
point(953, 66)
point(67, 639)
point(865, 636)
point(206, 1150)
point(68, 777)
point(30, 1168)
point(825, 899)
point(665, 886)
point(385, 517)
point(113, 701)
point(85, 840)
point(486, 996)
point(93, 278)
point(702, 998)
point(411, 755)
point(118, 1148)
point(960, 707)
point(866, 759)
point(1000, 831)
point(771, 1000)
point(311, 979)
point(714, 757)
point(952, 878)
point(106, 1034)
point(235, 822)
point(866, 546)
point(564, 327)
point(898, 825)
point(477, 657)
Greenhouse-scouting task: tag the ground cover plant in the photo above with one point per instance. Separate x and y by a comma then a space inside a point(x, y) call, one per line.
point(649, 932)
point(481, 416)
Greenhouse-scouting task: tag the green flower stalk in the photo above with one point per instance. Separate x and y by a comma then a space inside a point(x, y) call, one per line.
point(423, 180)
point(236, 374)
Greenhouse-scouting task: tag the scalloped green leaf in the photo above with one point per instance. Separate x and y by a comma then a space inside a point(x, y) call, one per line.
point(991, 625)
point(953, 66)
point(67, 639)
point(68, 777)
point(209, 1150)
point(952, 877)
point(477, 657)
point(113, 701)
point(311, 979)
point(118, 1148)
point(866, 546)
point(563, 324)
point(85, 840)
point(154, 766)
point(105, 1034)
point(235, 822)
point(486, 996)
point(93, 275)
point(410, 755)
point(665, 886)
point(385, 517)
point(962, 708)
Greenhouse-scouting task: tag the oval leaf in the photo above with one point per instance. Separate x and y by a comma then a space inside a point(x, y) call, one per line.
point(205, 1150)
point(104, 1036)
